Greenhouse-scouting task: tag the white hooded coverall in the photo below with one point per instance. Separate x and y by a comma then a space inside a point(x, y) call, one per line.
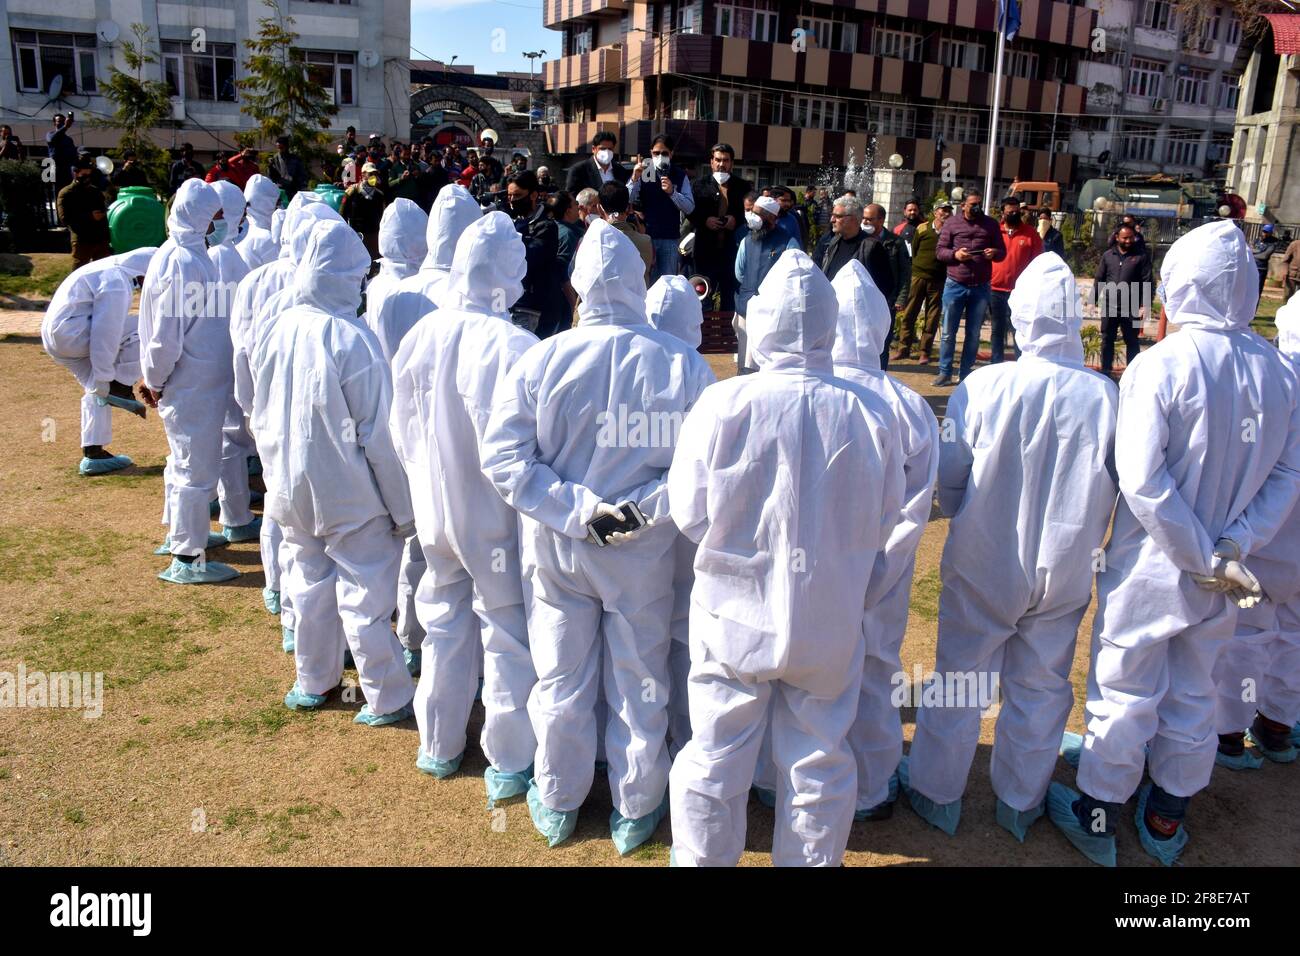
point(672, 306)
point(586, 417)
point(470, 601)
point(1208, 447)
point(87, 328)
point(394, 314)
point(1264, 656)
point(322, 393)
point(185, 355)
point(863, 324)
point(790, 483)
point(1026, 471)
point(236, 442)
point(259, 245)
point(403, 246)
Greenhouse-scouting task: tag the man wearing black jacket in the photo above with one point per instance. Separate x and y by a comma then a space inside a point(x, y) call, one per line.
point(1122, 290)
point(599, 168)
point(541, 248)
point(719, 210)
point(848, 240)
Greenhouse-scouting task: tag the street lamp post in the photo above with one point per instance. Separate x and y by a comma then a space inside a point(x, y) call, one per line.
point(533, 57)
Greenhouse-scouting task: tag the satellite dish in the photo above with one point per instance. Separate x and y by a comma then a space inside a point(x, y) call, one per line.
point(56, 87)
point(107, 30)
point(369, 58)
point(104, 165)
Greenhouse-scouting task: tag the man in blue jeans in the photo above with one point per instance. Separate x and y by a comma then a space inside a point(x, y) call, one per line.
point(664, 200)
point(968, 247)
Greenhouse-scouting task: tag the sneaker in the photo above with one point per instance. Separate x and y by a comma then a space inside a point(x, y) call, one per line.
point(942, 381)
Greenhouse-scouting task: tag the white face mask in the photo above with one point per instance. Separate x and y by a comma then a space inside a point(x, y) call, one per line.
point(592, 217)
point(604, 156)
point(868, 228)
point(720, 177)
point(662, 162)
point(754, 220)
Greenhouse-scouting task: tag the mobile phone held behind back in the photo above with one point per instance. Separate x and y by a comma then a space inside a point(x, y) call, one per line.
point(599, 529)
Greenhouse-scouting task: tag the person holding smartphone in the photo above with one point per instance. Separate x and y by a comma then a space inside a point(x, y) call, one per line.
point(968, 247)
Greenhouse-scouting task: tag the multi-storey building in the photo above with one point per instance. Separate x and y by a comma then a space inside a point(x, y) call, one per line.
point(355, 49)
point(797, 86)
point(1162, 90)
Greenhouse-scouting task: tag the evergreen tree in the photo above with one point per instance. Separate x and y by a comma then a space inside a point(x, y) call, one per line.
point(139, 106)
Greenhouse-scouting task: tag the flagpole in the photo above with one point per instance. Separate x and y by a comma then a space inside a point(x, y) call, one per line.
point(997, 103)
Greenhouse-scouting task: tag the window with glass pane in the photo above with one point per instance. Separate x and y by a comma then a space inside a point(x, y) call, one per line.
point(41, 56)
point(1145, 76)
point(1158, 14)
point(1229, 90)
point(1140, 142)
point(1192, 86)
point(1184, 147)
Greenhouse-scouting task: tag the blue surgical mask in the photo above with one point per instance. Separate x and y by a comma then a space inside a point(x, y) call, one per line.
point(218, 234)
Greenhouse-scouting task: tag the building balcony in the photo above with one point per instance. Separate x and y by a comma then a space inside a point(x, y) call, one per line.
point(555, 12)
point(602, 65)
point(1050, 21)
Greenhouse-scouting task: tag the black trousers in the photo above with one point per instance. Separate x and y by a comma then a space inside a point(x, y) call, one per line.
point(1132, 329)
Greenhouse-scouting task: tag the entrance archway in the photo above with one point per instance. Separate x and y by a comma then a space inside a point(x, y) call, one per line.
point(456, 99)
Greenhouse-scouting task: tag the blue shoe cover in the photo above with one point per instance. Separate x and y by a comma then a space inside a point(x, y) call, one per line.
point(349, 662)
point(881, 811)
point(214, 541)
point(243, 532)
point(1243, 761)
point(126, 404)
point(764, 796)
point(1097, 847)
point(630, 834)
point(103, 466)
point(945, 816)
point(271, 600)
point(213, 572)
point(299, 699)
point(438, 768)
point(1166, 851)
point(556, 825)
point(412, 659)
point(1295, 735)
point(1277, 756)
point(371, 719)
point(502, 785)
point(287, 642)
point(1018, 822)
point(1072, 748)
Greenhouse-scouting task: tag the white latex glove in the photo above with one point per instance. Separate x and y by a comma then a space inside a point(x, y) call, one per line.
point(614, 511)
point(101, 389)
point(604, 509)
point(1230, 577)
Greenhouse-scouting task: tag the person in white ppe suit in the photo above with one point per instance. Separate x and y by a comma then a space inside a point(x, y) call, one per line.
point(1026, 472)
point(789, 480)
point(236, 443)
point(259, 245)
point(864, 321)
point(334, 482)
point(1209, 467)
point(672, 306)
point(403, 247)
point(249, 312)
point(470, 601)
point(88, 329)
point(395, 313)
point(1258, 673)
point(185, 363)
point(584, 421)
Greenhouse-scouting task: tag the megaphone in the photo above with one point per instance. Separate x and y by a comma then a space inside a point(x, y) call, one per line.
point(702, 286)
point(104, 165)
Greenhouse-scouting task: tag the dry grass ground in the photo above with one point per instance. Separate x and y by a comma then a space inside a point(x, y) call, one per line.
point(196, 761)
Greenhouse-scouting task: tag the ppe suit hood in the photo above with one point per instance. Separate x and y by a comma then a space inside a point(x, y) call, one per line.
point(487, 273)
point(192, 211)
point(277, 228)
point(864, 318)
point(1208, 279)
point(1288, 328)
point(1046, 311)
point(332, 266)
point(609, 277)
point(791, 319)
point(300, 227)
point(402, 234)
point(232, 209)
point(672, 306)
point(292, 216)
point(262, 197)
point(136, 262)
point(453, 211)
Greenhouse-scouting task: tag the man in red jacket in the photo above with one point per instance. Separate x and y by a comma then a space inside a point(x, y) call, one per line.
point(1023, 243)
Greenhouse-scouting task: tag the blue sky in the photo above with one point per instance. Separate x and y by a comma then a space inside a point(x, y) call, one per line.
point(490, 34)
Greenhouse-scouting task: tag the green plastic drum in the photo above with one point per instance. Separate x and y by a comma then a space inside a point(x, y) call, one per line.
point(332, 195)
point(136, 219)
